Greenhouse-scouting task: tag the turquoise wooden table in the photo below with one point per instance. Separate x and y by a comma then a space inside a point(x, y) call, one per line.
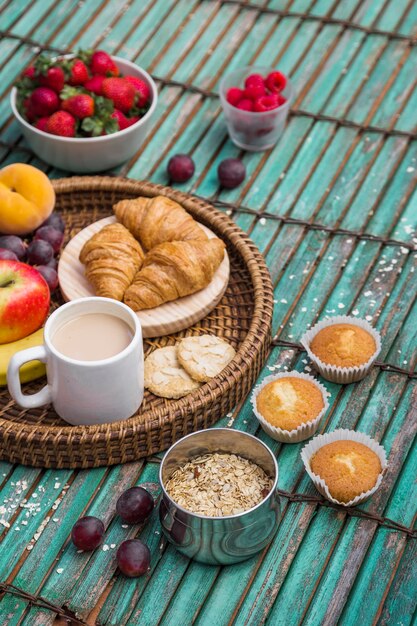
point(333, 207)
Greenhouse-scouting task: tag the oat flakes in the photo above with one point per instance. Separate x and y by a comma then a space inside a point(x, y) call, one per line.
point(217, 484)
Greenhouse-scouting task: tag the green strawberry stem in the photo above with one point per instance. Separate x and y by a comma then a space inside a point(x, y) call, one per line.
point(43, 63)
point(85, 55)
point(70, 91)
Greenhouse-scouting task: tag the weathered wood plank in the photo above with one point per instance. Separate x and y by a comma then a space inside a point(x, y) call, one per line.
point(136, 27)
point(52, 539)
point(89, 586)
point(32, 17)
point(401, 603)
point(337, 177)
point(384, 553)
point(58, 586)
point(30, 517)
point(19, 482)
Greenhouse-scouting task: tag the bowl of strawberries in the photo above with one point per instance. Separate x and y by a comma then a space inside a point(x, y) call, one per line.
point(256, 102)
point(86, 112)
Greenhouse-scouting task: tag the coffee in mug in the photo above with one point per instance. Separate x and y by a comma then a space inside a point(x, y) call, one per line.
point(93, 352)
point(92, 337)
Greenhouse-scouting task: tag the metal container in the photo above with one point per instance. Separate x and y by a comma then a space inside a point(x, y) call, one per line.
point(228, 539)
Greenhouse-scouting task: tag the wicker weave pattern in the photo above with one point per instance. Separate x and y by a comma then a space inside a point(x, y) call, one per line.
point(243, 317)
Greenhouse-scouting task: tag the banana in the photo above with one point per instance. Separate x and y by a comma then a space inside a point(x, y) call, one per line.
point(29, 371)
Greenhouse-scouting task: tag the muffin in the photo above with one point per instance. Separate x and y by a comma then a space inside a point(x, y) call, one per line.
point(343, 349)
point(343, 345)
point(289, 406)
point(348, 468)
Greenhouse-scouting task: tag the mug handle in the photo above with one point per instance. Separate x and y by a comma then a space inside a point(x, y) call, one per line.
point(37, 353)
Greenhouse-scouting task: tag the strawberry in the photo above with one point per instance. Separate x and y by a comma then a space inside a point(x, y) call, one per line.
point(123, 121)
point(78, 72)
point(95, 84)
point(234, 95)
point(102, 63)
point(121, 92)
point(44, 101)
point(61, 123)
point(80, 105)
point(30, 72)
point(54, 78)
point(28, 110)
point(142, 88)
point(41, 124)
point(275, 82)
point(49, 73)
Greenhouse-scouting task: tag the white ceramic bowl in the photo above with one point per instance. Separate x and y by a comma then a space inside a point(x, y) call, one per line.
point(90, 154)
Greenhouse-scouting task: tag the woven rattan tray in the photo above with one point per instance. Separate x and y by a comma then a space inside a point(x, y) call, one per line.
point(39, 437)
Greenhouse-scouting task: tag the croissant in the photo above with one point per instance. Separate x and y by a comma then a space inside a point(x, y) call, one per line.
point(173, 270)
point(112, 257)
point(156, 220)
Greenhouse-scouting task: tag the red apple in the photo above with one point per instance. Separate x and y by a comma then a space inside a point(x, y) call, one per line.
point(24, 300)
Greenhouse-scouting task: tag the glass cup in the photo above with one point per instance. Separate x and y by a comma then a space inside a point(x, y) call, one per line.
point(247, 129)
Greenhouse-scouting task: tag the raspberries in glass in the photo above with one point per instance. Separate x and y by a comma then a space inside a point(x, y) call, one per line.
point(259, 93)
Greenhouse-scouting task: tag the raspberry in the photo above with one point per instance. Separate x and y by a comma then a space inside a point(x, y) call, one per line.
point(234, 95)
point(261, 132)
point(245, 105)
point(254, 87)
point(266, 103)
point(275, 82)
point(254, 79)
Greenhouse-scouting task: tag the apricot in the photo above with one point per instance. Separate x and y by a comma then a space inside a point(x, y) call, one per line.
point(27, 198)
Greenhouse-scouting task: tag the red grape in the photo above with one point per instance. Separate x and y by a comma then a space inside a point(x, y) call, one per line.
point(56, 221)
point(180, 168)
point(50, 275)
point(87, 533)
point(51, 235)
point(52, 263)
point(133, 558)
point(8, 255)
point(135, 505)
point(40, 252)
point(231, 173)
point(15, 244)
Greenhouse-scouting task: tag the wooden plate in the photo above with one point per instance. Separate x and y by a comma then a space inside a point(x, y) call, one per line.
point(168, 318)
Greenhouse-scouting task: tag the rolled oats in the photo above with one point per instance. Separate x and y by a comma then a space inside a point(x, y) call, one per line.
point(218, 484)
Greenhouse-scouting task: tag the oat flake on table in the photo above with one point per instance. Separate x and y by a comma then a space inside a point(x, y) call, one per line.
point(217, 484)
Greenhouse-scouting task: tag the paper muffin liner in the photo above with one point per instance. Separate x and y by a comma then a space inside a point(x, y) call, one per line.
point(342, 434)
point(305, 430)
point(334, 373)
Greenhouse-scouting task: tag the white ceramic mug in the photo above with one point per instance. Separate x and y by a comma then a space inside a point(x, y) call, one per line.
point(85, 392)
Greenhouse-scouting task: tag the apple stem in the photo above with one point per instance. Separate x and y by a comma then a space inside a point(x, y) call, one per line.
point(7, 283)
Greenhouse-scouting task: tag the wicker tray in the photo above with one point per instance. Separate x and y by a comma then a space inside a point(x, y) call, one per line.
point(39, 437)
